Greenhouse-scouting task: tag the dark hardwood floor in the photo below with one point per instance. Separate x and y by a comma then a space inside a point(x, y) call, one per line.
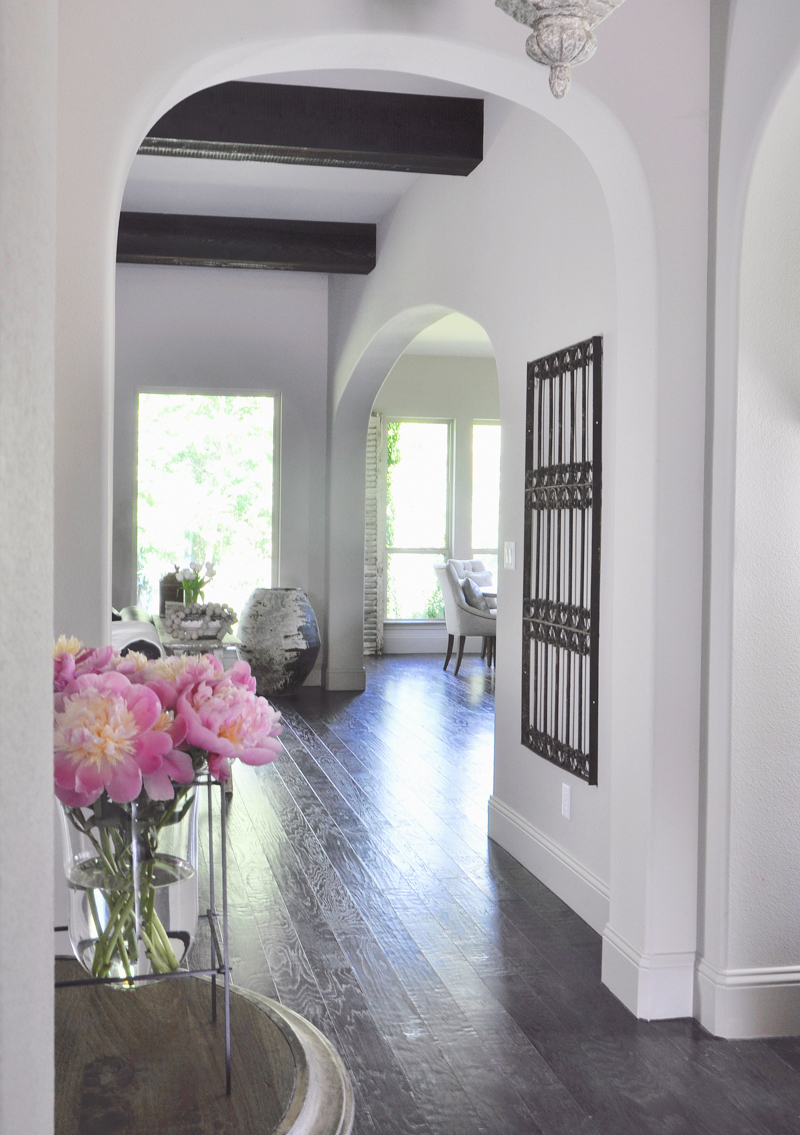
point(463, 996)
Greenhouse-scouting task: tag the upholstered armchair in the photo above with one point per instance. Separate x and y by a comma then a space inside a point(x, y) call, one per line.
point(467, 568)
point(462, 619)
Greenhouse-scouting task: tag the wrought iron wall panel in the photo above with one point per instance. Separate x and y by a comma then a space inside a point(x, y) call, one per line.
point(562, 557)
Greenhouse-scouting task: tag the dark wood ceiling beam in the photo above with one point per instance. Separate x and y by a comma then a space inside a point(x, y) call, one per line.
point(245, 242)
point(272, 122)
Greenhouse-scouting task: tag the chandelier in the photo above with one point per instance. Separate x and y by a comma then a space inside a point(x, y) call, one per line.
point(562, 34)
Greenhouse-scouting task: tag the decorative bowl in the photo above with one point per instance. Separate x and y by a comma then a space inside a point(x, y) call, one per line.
point(197, 621)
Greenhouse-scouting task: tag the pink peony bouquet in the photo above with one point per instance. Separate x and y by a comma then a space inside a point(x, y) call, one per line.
point(131, 734)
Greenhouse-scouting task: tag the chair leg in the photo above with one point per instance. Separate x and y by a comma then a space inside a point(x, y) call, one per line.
point(449, 651)
point(461, 640)
point(483, 647)
point(493, 647)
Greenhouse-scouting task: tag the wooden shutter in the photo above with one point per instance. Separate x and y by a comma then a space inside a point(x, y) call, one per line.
point(375, 537)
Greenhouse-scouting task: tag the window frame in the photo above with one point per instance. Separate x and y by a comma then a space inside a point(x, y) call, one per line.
point(478, 552)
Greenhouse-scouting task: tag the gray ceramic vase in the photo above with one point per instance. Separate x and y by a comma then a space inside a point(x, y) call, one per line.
point(280, 638)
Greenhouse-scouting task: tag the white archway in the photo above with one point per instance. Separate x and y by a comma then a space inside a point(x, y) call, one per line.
point(348, 432)
point(648, 961)
point(748, 968)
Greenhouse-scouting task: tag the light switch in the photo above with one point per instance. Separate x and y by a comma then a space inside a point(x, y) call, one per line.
point(565, 801)
point(509, 555)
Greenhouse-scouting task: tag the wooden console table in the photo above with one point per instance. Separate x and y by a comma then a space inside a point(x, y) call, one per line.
point(148, 1062)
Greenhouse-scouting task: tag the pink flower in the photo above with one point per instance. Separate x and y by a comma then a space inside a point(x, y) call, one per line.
point(240, 675)
point(105, 739)
point(219, 767)
point(71, 659)
point(169, 677)
point(129, 664)
point(63, 670)
point(227, 720)
point(176, 765)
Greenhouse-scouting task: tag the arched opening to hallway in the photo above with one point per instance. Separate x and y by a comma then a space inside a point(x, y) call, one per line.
point(361, 858)
point(583, 170)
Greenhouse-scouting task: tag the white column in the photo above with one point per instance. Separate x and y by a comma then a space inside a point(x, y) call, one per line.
point(650, 942)
point(90, 142)
point(27, 252)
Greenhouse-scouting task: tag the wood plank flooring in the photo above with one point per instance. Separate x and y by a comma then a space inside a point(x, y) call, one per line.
point(464, 997)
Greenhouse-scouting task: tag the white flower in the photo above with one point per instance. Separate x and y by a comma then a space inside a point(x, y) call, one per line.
point(180, 576)
point(195, 566)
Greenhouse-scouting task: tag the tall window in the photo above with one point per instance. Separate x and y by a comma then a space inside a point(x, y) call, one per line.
point(206, 485)
point(486, 493)
point(417, 517)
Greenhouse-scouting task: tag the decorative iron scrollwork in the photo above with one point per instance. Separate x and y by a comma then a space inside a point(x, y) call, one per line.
point(572, 760)
point(560, 486)
point(560, 624)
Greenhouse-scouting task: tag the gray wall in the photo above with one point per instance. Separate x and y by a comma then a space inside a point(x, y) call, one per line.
point(200, 329)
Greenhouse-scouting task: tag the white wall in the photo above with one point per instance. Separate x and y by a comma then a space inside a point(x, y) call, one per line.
point(753, 986)
point(749, 969)
point(545, 282)
point(27, 279)
point(243, 330)
point(511, 264)
point(765, 749)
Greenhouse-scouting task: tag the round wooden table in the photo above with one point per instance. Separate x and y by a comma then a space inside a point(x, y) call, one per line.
point(150, 1061)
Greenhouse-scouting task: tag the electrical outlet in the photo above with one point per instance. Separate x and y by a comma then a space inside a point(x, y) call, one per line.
point(509, 555)
point(565, 800)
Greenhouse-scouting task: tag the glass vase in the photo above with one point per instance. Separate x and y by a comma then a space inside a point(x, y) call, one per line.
point(132, 876)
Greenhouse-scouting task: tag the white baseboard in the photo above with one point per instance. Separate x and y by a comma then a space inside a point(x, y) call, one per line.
point(575, 884)
point(422, 638)
point(655, 987)
point(355, 680)
point(743, 1004)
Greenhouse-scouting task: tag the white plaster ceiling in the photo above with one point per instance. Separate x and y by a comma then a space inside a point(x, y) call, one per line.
point(202, 186)
point(273, 190)
point(207, 187)
point(454, 334)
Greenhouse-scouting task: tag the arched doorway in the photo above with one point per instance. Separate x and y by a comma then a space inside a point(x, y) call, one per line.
point(433, 483)
point(612, 178)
